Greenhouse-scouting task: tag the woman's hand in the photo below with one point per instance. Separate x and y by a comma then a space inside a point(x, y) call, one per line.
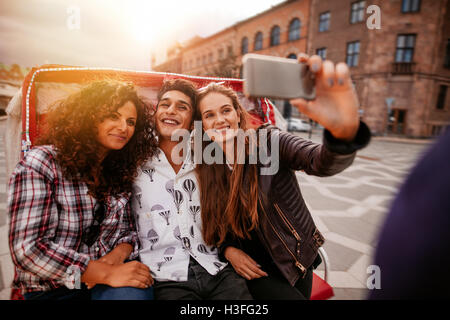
point(336, 104)
point(243, 264)
point(131, 274)
point(116, 256)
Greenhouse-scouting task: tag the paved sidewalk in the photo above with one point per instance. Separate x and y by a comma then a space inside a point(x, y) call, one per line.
point(350, 208)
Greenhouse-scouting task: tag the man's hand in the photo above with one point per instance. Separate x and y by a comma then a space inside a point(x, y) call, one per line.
point(336, 104)
point(243, 264)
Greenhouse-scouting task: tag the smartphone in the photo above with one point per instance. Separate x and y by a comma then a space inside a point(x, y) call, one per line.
point(277, 78)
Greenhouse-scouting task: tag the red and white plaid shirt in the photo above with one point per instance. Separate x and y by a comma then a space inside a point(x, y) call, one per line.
point(48, 215)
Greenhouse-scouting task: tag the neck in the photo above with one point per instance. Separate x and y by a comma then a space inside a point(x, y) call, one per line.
point(167, 147)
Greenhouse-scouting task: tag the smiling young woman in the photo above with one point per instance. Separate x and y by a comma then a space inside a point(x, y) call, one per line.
point(70, 216)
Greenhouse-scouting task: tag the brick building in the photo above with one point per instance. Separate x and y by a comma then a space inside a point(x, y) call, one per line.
point(401, 71)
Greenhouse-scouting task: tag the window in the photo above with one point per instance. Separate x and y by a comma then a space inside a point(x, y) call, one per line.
point(292, 56)
point(204, 59)
point(244, 45)
point(294, 29)
point(220, 54)
point(230, 51)
point(442, 95)
point(322, 52)
point(405, 48)
point(352, 54)
point(447, 55)
point(357, 12)
point(210, 57)
point(324, 21)
point(258, 41)
point(410, 6)
point(198, 61)
point(275, 36)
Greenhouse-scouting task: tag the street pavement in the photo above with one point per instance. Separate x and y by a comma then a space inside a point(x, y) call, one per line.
point(348, 208)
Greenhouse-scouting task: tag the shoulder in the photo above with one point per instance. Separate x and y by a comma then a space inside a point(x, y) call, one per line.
point(40, 159)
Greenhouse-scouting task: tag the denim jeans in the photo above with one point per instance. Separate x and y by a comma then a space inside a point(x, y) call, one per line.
point(104, 292)
point(61, 293)
point(99, 292)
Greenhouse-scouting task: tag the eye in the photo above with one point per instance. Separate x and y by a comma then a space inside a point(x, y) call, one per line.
point(182, 107)
point(131, 122)
point(113, 116)
point(163, 105)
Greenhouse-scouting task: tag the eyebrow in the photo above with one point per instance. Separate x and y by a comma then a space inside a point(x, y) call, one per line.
point(179, 101)
point(225, 105)
point(122, 115)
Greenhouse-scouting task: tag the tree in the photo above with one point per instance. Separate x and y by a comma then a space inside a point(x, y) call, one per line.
point(227, 67)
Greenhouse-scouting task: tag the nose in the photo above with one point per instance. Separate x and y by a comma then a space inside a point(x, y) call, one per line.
point(122, 125)
point(171, 109)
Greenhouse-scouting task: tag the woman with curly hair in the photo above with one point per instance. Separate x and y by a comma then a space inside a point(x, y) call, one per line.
point(70, 216)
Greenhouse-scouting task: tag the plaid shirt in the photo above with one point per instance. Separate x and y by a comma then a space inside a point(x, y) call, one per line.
point(48, 215)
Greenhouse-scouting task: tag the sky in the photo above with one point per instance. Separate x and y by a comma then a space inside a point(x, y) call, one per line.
point(110, 33)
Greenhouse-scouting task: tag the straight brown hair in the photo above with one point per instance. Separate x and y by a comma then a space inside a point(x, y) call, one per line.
point(229, 199)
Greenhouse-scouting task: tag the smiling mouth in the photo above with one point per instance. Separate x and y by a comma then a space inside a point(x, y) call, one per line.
point(171, 122)
point(119, 137)
point(222, 129)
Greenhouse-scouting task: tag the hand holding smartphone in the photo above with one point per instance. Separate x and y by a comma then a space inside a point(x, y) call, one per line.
point(277, 78)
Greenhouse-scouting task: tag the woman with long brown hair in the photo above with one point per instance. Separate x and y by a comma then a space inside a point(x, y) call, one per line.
point(260, 222)
point(70, 217)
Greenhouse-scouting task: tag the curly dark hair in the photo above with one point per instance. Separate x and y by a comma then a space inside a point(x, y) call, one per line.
point(71, 127)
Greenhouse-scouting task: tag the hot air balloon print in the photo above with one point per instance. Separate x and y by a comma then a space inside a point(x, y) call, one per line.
point(191, 231)
point(153, 237)
point(177, 233)
point(194, 210)
point(168, 255)
point(169, 187)
point(166, 215)
point(138, 195)
point(161, 211)
point(202, 249)
point(189, 187)
point(218, 265)
point(149, 172)
point(187, 245)
point(177, 199)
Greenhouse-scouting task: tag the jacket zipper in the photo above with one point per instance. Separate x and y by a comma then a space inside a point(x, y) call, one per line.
point(297, 263)
point(287, 222)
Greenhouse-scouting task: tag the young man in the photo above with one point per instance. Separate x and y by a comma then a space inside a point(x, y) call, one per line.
point(166, 203)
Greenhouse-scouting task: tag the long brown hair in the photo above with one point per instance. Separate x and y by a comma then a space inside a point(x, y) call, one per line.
point(71, 127)
point(228, 199)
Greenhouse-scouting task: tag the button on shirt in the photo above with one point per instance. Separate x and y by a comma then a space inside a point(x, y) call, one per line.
point(167, 211)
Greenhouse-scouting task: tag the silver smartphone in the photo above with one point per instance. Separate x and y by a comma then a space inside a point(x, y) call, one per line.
point(277, 78)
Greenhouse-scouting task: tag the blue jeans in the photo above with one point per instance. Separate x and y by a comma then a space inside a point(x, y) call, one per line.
point(104, 292)
point(99, 292)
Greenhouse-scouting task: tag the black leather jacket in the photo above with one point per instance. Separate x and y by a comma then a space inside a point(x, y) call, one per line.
point(286, 228)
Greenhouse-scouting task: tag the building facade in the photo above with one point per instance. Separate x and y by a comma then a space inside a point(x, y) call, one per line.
point(401, 71)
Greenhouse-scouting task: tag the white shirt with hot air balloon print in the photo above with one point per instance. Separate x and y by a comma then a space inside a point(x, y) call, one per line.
point(167, 210)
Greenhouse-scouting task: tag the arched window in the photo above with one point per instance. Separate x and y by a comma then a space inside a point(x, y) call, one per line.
point(258, 41)
point(294, 29)
point(292, 56)
point(275, 36)
point(244, 45)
